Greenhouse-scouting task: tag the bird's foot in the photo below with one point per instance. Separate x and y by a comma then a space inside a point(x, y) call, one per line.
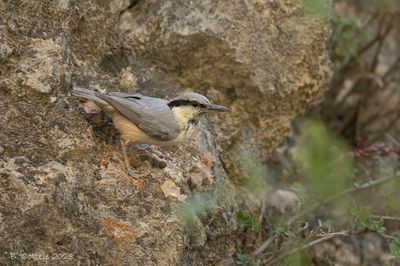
point(130, 171)
point(143, 146)
point(133, 173)
point(151, 154)
point(154, 160)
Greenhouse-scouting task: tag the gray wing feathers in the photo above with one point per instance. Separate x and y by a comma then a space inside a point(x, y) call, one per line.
point(126, 95)
point(151, 115)
point(88, 94)
point(85, 93)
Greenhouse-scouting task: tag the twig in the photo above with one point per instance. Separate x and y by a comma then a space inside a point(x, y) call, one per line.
point(357, 79)
point(392, 68)
point(322, 239)
point(386, 236)
point(380, 44)
point(388, 218)
point(388, 126)
point(368, 185)
point(376, 115)
point(392, 139)
point(310, 244)
point(263, 247)
point(347, 65)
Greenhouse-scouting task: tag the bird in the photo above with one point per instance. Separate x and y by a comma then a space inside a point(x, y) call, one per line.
point(149, 120)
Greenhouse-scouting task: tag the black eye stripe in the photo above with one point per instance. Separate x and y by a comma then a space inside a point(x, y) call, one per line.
point(185, 103)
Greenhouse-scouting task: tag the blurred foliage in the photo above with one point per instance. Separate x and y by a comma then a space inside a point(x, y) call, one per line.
point(194, 209)
point(389, 195)
point(256, 175)
point(361, 104)
point(242, 259)
point(379, 5)
point(282, 228)
point(317, 8)
point(365, 222)
point(324, 168)
point(325, 224)
point(299, 257)
point(394, 247)
point(324, 160)
point(346, 39)
point(248, 220)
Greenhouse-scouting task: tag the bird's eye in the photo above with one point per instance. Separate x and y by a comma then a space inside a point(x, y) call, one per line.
point(197, 104)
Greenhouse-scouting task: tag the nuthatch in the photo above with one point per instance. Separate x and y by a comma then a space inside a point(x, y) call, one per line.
point(147, 120)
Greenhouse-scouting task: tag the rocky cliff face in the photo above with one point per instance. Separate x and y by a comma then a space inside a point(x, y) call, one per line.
point(64, 191)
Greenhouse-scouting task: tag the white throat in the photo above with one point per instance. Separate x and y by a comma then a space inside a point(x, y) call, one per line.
point(184, 115)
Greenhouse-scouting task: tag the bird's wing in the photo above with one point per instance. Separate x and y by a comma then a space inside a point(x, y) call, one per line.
point(152, 115)
point(126, 95)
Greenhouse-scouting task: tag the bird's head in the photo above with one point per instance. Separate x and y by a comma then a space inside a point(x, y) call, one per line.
point(191, 105)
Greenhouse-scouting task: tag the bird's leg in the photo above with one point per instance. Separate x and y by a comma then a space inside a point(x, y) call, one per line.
point(152, 156)
point(128, 167)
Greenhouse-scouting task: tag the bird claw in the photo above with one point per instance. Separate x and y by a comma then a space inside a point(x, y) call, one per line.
point(152, 155)
point(143, 146)
point(132, 173)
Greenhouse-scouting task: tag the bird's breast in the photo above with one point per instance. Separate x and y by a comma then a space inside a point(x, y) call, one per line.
point(186, 132)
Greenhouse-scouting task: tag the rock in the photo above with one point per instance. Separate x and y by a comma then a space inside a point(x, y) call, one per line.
point(283, 200)
point(43, 65)
point(20, 160)
point(263, 59)
point(90, 107)
point(170, 189)
point(127, 79)
point(266, 62)
point(5, 49)
point(121, 232)
point(199, 176)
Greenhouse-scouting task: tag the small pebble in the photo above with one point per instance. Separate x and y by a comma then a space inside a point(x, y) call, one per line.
point(20, 160)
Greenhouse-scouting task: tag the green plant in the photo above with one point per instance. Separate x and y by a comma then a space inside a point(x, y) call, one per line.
point(282, 229)
point(324, 160)
point(319, 8)
point(242, 259)
point(365, 222)
point(299, 258)
point(346, 40)
point(190, 212)
point(394, 247)
point(248, 220)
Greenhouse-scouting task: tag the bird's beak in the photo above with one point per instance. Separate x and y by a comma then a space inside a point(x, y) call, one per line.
point(216, 108)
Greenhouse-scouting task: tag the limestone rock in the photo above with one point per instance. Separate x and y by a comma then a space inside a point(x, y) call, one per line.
point(70, 194)
point(265, 59)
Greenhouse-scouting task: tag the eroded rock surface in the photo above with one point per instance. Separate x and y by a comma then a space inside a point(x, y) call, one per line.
point(63, 188)
point(264, 59)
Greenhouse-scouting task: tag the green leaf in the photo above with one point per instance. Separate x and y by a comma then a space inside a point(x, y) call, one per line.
point(193, 209)
point(282, 229)
point(248, 220)
point(324, 160)
point(256, 176)
point(319, 8)
point(365, 222)
point(299, 258)
point(242, 259)
point(394, 247)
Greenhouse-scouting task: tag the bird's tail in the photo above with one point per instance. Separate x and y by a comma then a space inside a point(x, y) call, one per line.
point(89, 94)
